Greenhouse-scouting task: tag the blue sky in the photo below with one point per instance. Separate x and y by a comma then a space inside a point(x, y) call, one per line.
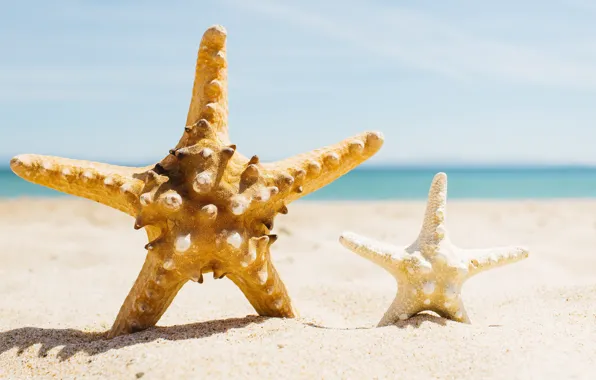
point(446, 82)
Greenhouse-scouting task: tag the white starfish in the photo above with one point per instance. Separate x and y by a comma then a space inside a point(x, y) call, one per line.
point(431, 271)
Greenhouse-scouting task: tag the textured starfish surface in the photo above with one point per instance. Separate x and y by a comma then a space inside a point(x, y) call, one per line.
point(205, 207)
point(430, 272)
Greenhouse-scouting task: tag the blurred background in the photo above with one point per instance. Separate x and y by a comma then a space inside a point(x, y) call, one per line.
point(500, 96)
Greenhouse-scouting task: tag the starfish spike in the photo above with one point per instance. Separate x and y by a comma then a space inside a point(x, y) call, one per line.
point(430, 272)
point(206, 208)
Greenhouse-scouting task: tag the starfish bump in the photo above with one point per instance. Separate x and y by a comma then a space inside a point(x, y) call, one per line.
point(430, 272)
point(205, 207)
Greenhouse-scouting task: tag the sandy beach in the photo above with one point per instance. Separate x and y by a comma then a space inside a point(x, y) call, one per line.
point(66, 266)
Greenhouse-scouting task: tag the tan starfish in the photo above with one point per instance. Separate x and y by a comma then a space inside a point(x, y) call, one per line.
point(431, 271)
point(205, 207)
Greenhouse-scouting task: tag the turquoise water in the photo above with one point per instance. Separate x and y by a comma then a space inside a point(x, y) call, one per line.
point(413, 183)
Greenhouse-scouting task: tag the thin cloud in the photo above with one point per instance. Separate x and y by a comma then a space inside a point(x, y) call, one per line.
point(420, 41)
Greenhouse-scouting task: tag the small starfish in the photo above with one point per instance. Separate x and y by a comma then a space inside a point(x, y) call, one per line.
point(205, 207)
point(430, 272)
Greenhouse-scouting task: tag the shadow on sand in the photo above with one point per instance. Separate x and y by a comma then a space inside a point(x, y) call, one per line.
point(94, 343)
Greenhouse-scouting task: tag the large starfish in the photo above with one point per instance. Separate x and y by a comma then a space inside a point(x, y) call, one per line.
point(205, 207)
point(430, 272)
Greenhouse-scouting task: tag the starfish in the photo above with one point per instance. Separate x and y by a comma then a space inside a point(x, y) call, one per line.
point(431, 271)
point(205, 207)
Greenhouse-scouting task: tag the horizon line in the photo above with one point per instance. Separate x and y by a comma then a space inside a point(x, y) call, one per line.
point(427, 166)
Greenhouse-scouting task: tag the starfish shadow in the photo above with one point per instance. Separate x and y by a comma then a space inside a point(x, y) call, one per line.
point(318, 326)
point(419, 319)
point(415, 321)
point(93, 343)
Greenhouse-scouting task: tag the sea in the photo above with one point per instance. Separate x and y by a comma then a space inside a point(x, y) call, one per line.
point(412, 183)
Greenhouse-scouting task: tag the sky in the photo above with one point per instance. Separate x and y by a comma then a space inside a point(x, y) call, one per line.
point(457, 82)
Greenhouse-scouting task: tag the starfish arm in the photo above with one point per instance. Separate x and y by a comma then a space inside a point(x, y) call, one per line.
point(483, 259)
point(402, 308)
point(112, 185)
point(387, 256)
point(432, 227)
point(208, 110)
point(302, 174)
point(455, 311)
point(154, 290)
point(260, 282)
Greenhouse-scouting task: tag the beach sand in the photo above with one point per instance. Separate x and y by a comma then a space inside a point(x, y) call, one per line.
point(66, 265)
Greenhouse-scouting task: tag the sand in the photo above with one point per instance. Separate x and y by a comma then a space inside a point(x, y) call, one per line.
point(66, 266)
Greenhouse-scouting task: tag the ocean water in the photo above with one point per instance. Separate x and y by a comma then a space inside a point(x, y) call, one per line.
point(413, 183)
